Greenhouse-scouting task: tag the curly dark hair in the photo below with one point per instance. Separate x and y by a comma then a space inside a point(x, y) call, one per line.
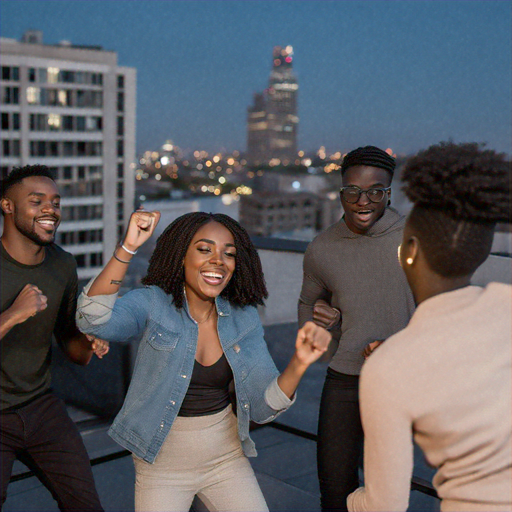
point(247, 285)
point(18, 174)
point(459, 192)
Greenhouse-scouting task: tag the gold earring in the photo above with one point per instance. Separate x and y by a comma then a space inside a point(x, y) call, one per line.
point(409, 261)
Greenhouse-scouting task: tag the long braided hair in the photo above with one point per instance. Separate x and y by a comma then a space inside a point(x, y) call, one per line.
point(247, 285)
point(460, 192)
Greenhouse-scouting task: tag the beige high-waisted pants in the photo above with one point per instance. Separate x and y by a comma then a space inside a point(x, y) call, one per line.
point(201, 456)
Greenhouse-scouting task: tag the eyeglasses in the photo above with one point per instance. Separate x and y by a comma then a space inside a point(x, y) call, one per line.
point(352, 194)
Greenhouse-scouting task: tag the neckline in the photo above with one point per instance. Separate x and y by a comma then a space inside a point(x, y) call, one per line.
point(210, 365)
point(17, 263)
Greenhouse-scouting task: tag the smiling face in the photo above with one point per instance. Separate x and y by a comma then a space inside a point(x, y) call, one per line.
point(209, 262)
point(35, 208)
point(363, 214)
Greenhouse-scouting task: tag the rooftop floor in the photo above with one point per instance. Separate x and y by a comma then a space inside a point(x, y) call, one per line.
point(285, 466)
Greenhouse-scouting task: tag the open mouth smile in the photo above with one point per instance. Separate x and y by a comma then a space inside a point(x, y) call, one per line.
point(213, 278)
point(364, 214)
point(47, 223)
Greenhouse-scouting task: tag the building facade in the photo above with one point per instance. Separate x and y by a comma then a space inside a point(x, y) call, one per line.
point(72, 108)
point(298, 215)
point(272, 121)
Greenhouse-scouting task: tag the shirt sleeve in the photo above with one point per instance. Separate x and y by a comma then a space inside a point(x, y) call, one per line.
point(276, 398)
point(113, 318)
point(313, 288)
point(388, 443)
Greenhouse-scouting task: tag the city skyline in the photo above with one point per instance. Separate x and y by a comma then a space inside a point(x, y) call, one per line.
point(398, 74)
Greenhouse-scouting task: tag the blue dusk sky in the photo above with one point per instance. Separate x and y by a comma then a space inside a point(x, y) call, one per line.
point(394, 73)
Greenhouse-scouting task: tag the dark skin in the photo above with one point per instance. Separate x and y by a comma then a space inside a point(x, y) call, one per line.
point(31, 216)
point(359, 218)
point(208, 266)
point(362, 215)
point(423, 281)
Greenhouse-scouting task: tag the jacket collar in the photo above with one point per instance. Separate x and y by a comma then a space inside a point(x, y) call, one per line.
point(223, 306)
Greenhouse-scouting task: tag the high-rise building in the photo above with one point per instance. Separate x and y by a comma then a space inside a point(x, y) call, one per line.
point(272, 120)
point(72, 108)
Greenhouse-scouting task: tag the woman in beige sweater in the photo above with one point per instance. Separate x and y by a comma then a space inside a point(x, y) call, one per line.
point(446, 379)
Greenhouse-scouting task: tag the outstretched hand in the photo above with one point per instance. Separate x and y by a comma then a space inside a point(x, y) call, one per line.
point(312, 341)
point(140, 228)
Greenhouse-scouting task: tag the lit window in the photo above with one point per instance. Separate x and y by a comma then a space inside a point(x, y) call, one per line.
point(33, 95)
point(62, 98)
point(54, 121)
point(53, 75)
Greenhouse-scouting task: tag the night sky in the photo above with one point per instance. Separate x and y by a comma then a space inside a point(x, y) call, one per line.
point(399, 74)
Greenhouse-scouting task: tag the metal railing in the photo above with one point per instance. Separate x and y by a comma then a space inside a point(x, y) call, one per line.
point(417, 484)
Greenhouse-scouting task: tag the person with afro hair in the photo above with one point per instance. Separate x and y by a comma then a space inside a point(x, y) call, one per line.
point(445, 380)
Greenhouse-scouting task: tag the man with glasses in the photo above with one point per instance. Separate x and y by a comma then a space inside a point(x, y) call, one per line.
point(353, 267)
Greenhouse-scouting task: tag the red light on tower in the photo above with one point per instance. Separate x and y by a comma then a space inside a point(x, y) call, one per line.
point(288, 59)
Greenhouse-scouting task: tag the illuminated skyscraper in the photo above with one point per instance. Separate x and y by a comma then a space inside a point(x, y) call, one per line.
point(272, 121)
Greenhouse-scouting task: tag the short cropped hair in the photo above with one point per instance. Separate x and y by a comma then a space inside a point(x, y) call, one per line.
point(371, 156)
point(18, 174)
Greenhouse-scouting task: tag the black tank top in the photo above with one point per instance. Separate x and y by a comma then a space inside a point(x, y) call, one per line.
point(208, 391)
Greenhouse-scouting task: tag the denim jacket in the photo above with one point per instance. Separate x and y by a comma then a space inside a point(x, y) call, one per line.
point(167, 346)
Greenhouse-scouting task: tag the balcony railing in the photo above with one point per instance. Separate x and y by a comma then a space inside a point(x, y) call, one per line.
point(98, 391)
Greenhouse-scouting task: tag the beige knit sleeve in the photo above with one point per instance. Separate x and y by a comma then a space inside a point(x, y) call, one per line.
point(388, 444)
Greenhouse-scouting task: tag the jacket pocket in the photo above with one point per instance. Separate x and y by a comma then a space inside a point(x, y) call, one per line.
point(161, 338)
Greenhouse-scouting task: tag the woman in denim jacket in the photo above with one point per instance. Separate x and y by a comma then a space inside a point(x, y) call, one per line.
point(199, 331)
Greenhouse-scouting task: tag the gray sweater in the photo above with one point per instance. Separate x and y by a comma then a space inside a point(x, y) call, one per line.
point(361, 276)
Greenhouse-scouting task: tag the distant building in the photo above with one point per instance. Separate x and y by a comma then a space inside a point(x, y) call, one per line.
point(72, 108)
point(272, 120)
point(288, 214)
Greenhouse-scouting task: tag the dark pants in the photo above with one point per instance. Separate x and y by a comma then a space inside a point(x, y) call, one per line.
point(43, 437)
point(340, 440)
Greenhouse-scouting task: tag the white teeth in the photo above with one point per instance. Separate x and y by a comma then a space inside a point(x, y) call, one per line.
point(212, 274)
point(48, 222)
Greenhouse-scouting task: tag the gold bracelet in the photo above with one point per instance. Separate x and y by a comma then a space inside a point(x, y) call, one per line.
point(119, 259)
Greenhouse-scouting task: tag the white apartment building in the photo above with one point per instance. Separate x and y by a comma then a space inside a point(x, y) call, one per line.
point(72, 108)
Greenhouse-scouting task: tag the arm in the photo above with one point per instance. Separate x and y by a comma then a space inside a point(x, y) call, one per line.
point(140, 228)
point(77, 346)
point(80, 347)
point(312, 288)
point(388, 445)
point(98, 302)
point(28, 303)
point(312, 341)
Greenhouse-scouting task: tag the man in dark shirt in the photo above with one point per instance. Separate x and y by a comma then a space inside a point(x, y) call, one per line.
point(38, 300)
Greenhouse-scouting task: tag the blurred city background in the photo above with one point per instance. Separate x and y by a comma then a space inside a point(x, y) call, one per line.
point(244, 108)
